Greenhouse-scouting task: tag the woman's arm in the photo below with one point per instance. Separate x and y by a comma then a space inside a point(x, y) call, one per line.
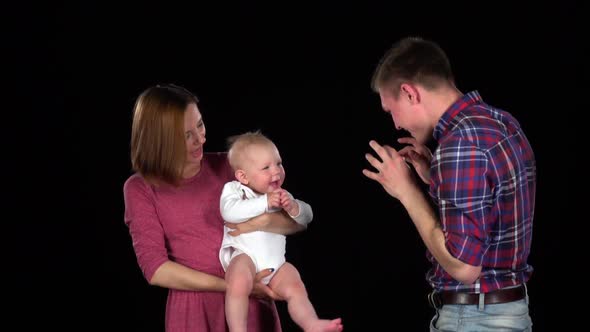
point(274, 222)
point(177, 276)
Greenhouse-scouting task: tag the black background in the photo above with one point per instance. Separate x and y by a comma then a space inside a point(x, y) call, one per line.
point(301, 74)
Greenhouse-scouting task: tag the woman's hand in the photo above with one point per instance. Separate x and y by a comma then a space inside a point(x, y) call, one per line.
point(262, 291)
point(275, 222)
point(255, 224)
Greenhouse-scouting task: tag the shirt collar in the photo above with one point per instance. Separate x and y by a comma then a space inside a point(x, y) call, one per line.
point(467, 100)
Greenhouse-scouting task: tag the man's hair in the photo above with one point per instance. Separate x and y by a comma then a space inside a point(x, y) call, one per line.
point(158, 148)
point(412, 60)
point(237, 145)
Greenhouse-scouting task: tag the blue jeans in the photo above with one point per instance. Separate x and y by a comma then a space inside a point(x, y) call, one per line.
point(510, 316)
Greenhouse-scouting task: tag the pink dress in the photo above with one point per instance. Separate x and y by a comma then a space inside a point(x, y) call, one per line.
point(184, 225)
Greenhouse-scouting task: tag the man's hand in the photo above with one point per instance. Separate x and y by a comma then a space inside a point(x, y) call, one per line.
point(418, 155)
point(392, 171)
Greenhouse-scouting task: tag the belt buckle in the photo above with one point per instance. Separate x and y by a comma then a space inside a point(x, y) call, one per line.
point(434, 300)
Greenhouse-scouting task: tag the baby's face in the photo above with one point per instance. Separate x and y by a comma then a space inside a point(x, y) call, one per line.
point(264, 168)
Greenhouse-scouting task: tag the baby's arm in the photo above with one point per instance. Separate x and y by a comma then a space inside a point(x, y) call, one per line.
point(235, 208)
point(274, 200)
point(289, 204)
point(297, 209)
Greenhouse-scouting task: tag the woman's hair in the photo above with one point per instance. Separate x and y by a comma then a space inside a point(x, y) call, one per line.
point(158, 148)
point(412, 60)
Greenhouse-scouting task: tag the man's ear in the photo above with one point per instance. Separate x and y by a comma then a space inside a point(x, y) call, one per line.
point(411, 92)
point(241, 176)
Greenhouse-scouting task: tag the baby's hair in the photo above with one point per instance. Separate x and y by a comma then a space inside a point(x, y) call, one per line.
point(237, 144)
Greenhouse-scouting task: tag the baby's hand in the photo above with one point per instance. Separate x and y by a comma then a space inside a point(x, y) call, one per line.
point(274, 199)
point(288, 204)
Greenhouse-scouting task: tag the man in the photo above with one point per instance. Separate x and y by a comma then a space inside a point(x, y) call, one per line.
point(481, 176)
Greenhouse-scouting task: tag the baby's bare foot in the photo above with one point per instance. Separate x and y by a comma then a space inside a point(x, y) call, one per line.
point(325, 325)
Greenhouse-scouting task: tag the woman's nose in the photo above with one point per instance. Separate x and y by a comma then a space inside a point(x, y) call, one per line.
point(200, 139)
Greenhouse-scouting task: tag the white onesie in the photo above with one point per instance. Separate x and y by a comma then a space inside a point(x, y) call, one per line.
point(267, 250)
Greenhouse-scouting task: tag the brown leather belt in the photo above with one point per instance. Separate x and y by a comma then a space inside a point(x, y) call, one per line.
point(504, 295)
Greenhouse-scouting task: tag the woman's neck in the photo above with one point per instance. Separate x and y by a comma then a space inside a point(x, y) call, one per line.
point(191, 170)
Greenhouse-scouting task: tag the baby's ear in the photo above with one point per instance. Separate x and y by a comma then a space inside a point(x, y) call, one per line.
point(241, 176)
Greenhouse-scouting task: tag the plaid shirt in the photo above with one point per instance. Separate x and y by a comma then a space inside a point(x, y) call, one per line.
point(483, 179)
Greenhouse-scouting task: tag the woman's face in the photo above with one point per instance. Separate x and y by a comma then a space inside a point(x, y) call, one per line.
point(194, 133)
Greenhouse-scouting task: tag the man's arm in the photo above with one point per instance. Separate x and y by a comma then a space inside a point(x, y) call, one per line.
point(428, 227)
point(394, 175)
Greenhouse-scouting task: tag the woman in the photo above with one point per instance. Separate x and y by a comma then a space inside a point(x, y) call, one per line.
point(172, 211)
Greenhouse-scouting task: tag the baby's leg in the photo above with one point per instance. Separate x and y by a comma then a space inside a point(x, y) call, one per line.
point(239, 279)
point(288, 284)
